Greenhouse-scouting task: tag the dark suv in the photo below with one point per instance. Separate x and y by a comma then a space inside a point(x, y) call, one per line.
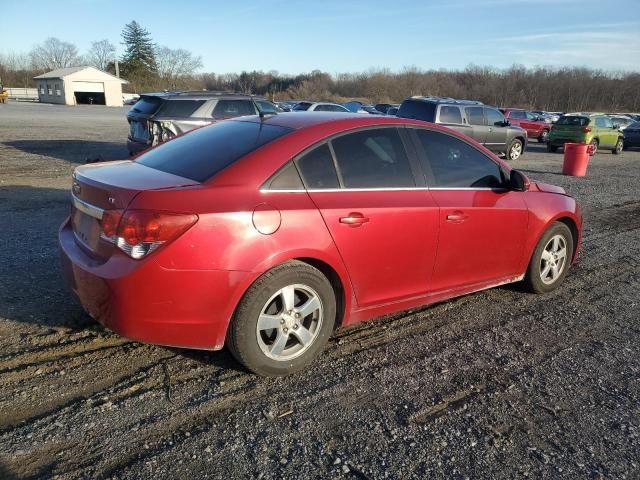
point(158, 117)
point(484, 124)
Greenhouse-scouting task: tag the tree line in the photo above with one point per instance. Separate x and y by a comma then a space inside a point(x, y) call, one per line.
point(149, 67)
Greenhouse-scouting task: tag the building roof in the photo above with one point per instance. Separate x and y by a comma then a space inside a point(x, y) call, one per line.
point(65, 72)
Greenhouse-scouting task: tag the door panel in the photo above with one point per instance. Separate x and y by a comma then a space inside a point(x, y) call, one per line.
point(482, 235)
point(387, 239)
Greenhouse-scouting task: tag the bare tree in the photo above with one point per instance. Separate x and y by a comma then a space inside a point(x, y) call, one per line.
point(54, 53)
point(175, 64)
point(101, 54)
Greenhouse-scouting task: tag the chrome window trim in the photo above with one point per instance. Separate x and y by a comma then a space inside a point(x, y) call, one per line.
point(334, 190)
point(87, 208)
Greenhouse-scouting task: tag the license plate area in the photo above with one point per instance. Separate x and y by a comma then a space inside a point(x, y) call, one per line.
point(86, 229)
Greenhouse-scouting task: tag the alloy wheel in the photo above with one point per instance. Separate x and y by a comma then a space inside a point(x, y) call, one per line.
point(516, 151)
point(553, 259)
point(289, 322)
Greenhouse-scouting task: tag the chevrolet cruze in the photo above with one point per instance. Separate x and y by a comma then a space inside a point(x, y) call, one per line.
point(266, 233)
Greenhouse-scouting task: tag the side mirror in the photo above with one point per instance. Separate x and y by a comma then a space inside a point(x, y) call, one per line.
point(506, 123)
point(518, 181)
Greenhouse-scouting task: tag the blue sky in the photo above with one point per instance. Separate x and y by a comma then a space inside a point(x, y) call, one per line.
point(337, 36)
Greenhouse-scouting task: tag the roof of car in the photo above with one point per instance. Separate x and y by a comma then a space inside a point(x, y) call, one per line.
point(434, 99)
point(300, 120)
point(203, 95)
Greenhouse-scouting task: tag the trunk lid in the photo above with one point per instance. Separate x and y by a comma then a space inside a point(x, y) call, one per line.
point(110, 186)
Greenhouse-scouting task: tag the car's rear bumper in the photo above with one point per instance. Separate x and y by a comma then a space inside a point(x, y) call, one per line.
point(144, 301)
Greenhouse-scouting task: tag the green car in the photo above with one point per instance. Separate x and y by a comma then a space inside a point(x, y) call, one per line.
point(594, 128)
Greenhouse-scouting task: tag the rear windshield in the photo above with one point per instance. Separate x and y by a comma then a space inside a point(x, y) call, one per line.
point(147, 105)
point(202, 153)
point(417, 109)
point(573, 121)
point(179, 108)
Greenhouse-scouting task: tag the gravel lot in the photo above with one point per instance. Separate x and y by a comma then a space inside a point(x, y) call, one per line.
point(498, 384)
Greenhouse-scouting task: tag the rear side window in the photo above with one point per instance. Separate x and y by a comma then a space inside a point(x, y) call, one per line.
point(573, 121)
point(450, 114)
point(317, 168)
point(286, 179)
point(233, 108)
point(179, 108)
point(418, 110)
point(475, 115)
point(146, 105)
point(202, 153)
point(373, 159)
point(455, 164)
point(266, 107)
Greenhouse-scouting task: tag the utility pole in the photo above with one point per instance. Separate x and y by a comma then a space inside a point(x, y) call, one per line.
point(117, 67)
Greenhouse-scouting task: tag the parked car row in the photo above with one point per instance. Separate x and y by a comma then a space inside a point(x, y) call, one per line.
point(598, 130)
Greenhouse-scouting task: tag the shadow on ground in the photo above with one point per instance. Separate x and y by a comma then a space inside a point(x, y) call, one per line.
point(76, 151)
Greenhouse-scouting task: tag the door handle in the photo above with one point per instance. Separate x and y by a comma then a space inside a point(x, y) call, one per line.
point(354, 219)
point(457, 217)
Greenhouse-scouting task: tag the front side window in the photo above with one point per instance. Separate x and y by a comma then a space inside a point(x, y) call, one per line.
point(494, 117)
point(449, 114)
point(456, 164)
point(531, 116)
point(317, 168)
point(373, 158)
point(233, 108)
point(475, 115)
point(608, 123)
point(600, 122)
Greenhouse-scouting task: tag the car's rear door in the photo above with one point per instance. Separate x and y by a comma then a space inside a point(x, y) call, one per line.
point(450, 116)
point(482, 225)
point(496, 138)
point(384, 226)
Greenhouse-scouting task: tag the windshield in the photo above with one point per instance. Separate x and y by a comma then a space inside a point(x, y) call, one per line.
point(200, 154)
point(573, 121)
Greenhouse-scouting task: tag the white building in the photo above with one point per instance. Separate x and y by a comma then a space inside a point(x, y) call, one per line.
point(80, 85)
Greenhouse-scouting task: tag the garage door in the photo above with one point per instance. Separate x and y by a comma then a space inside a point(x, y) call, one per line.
point(94, 87)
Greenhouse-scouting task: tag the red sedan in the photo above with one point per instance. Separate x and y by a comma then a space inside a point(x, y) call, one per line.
point(265, 234)
point(535, 125)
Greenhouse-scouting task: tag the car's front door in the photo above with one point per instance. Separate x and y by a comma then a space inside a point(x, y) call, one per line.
point(482, 225)
point(384, 226)
point(496, 139)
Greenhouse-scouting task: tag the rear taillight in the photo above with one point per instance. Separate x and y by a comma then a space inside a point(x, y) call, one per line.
point(140, 232)
point(586, 129)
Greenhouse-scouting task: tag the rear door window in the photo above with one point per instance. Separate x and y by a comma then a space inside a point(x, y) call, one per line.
point(517, 115)
point(179, 108)
point(202, 153)
point(373, 158)
point(475, 115)
point(450, 114)
point(233, 108)
point(456, 164)
point(317, 168)
point(571, 120)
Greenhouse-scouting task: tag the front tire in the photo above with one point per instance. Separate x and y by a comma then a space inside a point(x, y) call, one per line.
point(551, 148)
point(544, 136)
point(551, 260)
point(619, 147)
point(514, 151)
point(283, 321)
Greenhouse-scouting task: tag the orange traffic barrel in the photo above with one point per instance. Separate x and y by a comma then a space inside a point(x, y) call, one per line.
point(576, 159)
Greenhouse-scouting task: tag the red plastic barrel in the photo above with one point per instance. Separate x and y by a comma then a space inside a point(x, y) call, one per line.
point(576, 159)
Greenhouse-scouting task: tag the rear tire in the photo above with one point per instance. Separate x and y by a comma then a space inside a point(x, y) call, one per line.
point(283, 321)
point(514, 151)
point(619, 147)
point(594, 146)
point(551, 260)
point(551, 148)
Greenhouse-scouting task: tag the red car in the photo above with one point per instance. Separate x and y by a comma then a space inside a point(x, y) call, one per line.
point(535, 125)
point(265, 234)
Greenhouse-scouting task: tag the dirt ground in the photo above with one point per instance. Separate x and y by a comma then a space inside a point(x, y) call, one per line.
point(498, 384)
